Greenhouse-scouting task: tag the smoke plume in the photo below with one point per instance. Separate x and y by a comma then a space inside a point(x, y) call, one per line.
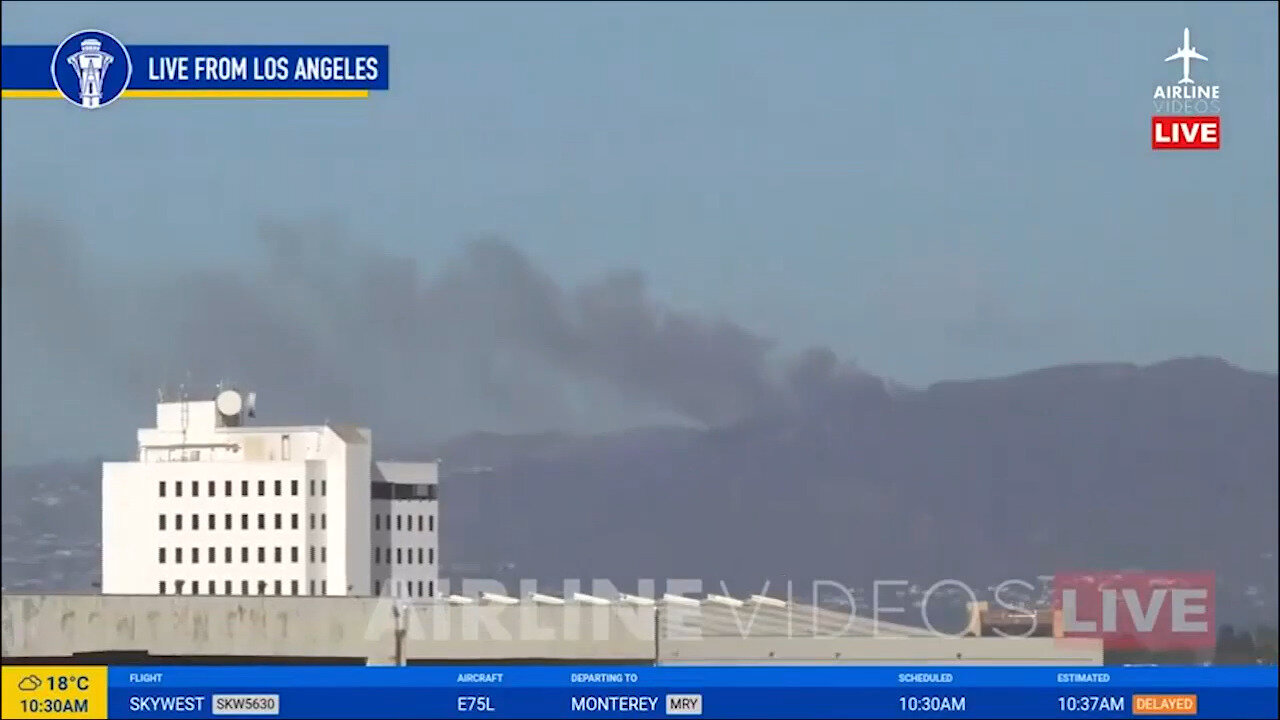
point(325, 328)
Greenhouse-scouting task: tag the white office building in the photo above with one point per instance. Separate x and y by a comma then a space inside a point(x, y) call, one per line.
point(212, 506)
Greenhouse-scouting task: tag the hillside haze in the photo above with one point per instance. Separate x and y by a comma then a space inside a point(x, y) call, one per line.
point(1170, 466)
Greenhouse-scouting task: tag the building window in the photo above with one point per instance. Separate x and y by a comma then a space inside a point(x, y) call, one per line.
point(244, 557)
point(161, 587)
point(431, 523)
point(377, 587)
point(293, 587)
point(312, 489)
point(177, 521)
point(262, 488)
point(195, 521)
point(262, 587)
point(177, 557)
point(226, 521)
point(293, 521)
point(278, 487)
point(377, 522)
point(177, 490)
point(162, 555)
point(293, 554)
point(293, 487)
point(277, 587)
point(313, 521)
point(279, 554)
point(419, 556)
point(419, 588)
point(324, 487)
point(408, 589)
point(311, 587)
point(213, 521)
point(244, 521)
point(399, 558)
point(213, 488)
point(213, 554)
point(279, 521)
point(195, 587)
point(419, 523)
point(244, 587)
point(431, 588)
point(213, 587)
point(262, 521)
point(226, 490)
point(195, 555)
point(226, 588)
point(244, 492)
point(398, 519)
point(195, 492)
point(324, 587)
point(162, 495)
point(262, 554)
point(226, 558)
point(323, 521)
point(161, 522)
point(324, 553)
point(312, 553)
point(377, 555)
point(431, 556)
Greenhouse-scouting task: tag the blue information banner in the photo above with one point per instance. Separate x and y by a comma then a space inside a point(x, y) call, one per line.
point(209, 67)
point(711, 692)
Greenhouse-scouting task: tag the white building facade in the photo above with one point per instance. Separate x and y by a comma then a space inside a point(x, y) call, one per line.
point(214, 507)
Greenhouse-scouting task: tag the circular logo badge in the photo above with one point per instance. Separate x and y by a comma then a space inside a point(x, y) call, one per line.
point(91, 69)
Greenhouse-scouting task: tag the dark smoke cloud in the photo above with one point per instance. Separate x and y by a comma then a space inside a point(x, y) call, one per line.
point(325, 328)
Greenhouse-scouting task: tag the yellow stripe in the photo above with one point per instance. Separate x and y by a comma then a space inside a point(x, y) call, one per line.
point(246, 94)
point(198, 94)
point(30, 94)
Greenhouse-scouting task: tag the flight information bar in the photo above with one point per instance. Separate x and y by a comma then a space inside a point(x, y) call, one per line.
point(640, 692)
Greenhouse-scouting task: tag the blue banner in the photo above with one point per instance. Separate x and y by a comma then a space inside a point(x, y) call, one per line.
point(712, 692)
point(93, 68)
point(220, 67)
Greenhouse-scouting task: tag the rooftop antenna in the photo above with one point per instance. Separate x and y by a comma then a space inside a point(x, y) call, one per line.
point(185, 412)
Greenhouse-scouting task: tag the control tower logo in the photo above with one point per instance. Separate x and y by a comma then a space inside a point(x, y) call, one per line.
point(91, 69)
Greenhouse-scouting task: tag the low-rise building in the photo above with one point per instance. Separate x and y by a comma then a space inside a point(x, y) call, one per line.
point(213, 506)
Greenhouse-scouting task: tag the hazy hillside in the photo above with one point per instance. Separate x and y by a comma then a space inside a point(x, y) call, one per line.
point(1170, 466)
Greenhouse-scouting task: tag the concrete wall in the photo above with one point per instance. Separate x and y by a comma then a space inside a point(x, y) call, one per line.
point(62, 625)
point(50, 626)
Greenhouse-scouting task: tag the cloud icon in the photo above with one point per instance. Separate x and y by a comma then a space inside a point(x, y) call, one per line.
point(29, 683)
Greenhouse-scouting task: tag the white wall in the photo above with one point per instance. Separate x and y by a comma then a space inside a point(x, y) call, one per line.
point(132, 538)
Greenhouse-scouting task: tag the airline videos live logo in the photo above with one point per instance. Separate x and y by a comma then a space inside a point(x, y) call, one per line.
point(1132, 611)
point(1186, 132)
point(1187, 112)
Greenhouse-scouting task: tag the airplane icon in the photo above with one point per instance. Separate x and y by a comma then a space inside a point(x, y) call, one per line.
point(1186, 54)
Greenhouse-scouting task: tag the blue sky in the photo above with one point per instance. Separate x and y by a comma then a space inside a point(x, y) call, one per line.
point(936, 191)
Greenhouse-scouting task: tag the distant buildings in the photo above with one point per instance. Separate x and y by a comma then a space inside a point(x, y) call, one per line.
point(213, 507)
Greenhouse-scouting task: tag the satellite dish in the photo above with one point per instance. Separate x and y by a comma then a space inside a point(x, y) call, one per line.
point(229, 403)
